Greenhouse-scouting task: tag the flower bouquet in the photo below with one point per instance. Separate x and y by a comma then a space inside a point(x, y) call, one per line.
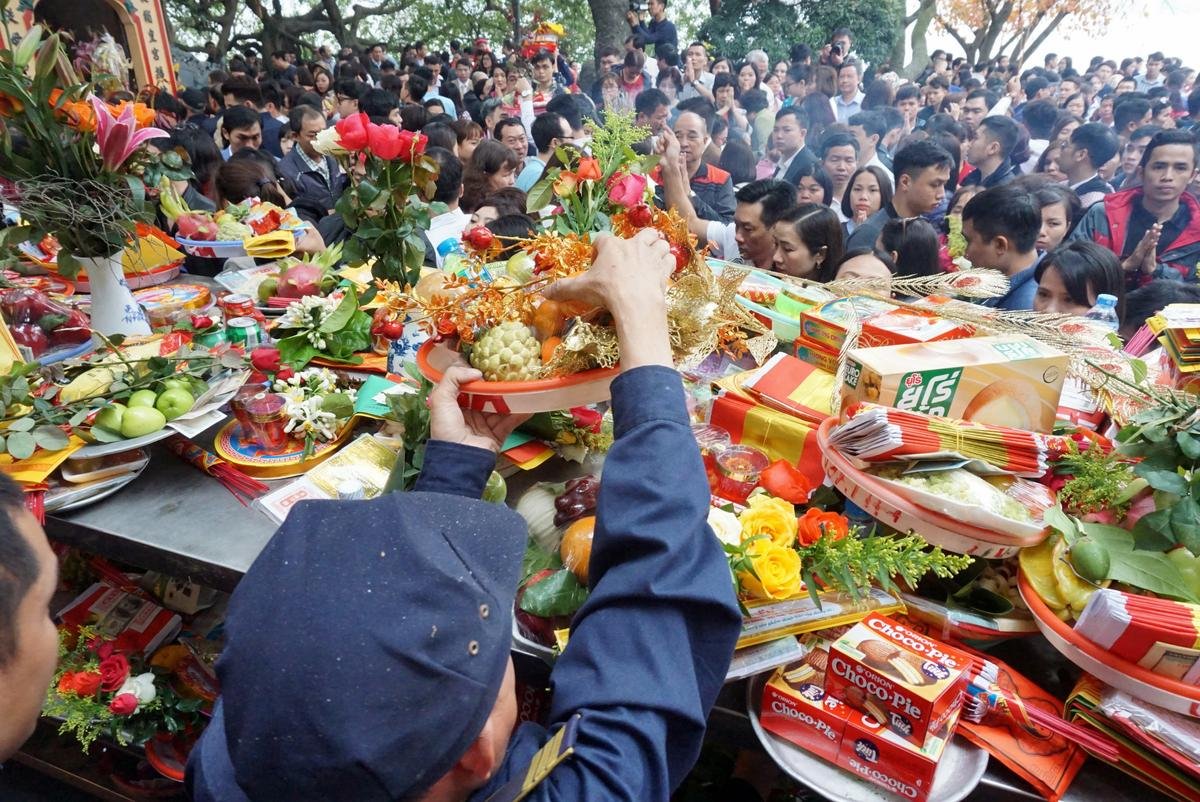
point(97, 694)
point(74, 169)
point(775, 555)
point(333, 328)
point(387, 204)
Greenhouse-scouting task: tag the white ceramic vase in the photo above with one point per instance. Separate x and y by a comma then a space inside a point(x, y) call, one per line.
point(114, 309)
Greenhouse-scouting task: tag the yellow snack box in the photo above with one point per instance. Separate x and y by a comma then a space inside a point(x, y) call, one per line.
point(1007, 380)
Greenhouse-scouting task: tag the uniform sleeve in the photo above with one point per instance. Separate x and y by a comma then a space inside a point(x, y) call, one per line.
point(650, 648)
point(455, 469)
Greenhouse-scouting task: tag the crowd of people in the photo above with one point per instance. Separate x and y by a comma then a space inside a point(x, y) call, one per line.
point(816, 166)
point(1072, 182)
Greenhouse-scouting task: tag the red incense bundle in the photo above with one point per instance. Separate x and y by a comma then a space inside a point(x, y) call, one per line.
point(35, 502)
point(243, 487)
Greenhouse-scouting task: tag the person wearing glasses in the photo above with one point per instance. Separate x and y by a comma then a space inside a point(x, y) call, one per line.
point(347, 93)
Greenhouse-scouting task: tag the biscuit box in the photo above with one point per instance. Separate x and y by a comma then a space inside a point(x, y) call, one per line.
point(876, 754)
point(901, 326)
point(1007, 380)
point(819, 356)
point(913, 684)
point(827, 324)
point(796, 707)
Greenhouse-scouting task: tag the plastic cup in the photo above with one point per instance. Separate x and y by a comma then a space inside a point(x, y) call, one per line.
point(267, 421)
point(712, 441)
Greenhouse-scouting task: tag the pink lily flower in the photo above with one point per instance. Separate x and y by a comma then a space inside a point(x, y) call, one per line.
point(119, 137)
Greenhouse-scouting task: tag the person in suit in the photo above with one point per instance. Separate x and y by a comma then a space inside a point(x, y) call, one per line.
point(791, 130)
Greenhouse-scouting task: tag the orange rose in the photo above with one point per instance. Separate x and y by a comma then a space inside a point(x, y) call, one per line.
point(589, 170)
point(815, 522)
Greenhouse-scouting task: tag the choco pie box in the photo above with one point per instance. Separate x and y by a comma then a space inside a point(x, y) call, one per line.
point(909, 683)
point(875, 753)
point(796, 707)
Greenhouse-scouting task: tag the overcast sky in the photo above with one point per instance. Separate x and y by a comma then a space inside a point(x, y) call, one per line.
point(1167, 25)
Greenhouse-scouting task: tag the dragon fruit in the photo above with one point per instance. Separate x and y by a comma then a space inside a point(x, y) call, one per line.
point(299, 280)
point(196, 226)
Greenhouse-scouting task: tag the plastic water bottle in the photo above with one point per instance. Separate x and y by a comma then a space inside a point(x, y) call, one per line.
point(1105, 312)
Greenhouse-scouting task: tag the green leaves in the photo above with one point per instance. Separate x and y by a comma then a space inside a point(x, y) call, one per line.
point(558, 594)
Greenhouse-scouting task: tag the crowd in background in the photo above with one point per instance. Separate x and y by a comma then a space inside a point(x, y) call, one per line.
point(1072, 180)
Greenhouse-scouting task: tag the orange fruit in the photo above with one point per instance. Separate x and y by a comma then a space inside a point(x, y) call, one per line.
point(576, 548)
point(548, 349)
point(548, 320)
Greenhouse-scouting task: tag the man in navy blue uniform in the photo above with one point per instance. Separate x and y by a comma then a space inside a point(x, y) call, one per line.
point(368, 646)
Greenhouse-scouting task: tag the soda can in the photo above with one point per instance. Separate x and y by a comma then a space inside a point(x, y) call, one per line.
point(244, 331)
point(238, 305)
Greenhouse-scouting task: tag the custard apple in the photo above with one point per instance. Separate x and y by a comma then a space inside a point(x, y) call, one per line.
point(507, 353)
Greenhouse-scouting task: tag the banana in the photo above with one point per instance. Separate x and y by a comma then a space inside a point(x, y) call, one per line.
point(90, 384)
point(95, 383)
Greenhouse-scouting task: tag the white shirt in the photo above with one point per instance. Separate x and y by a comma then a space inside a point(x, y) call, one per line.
point(1036, 148)
point(721, 241)
point(844, 109)
point(448, 226)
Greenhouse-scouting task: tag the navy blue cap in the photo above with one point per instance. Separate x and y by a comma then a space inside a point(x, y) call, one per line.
point(367, 645)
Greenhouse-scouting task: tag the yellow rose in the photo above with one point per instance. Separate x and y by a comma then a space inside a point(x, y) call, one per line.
point(778, 572)
point(769, 516)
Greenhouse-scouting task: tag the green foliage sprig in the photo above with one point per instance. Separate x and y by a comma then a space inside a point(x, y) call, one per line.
point(853, 564)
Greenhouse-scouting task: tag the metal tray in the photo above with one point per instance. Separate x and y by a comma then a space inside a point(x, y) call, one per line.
point(959, 771)
point(100, 491)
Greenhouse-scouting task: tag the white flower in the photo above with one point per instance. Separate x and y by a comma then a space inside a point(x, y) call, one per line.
point(726, 526)
point(141, 686)
point(329, 143)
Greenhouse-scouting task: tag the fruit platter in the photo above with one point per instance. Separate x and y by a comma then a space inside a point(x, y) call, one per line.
point(251, 228)
point(119, 398)
point(1116, 584)
point(538, 354)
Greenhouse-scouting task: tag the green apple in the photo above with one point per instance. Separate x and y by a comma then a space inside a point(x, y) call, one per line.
point(140, 421)
point(143, 398)
point(177, 384)
point(110, 418)
point(174, 402)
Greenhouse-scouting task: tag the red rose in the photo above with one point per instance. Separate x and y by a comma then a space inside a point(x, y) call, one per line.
point(586, 418)
point(352, 131)
point(123, 705)
point(412, 145)
point(784, 480)
point(87, 683)
point(384, 141)
point(265, 359)
point(66, 683)
point(284, 373)
point(101, 647)
point(628, 190)
point(113, 672)
point(201, 322)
